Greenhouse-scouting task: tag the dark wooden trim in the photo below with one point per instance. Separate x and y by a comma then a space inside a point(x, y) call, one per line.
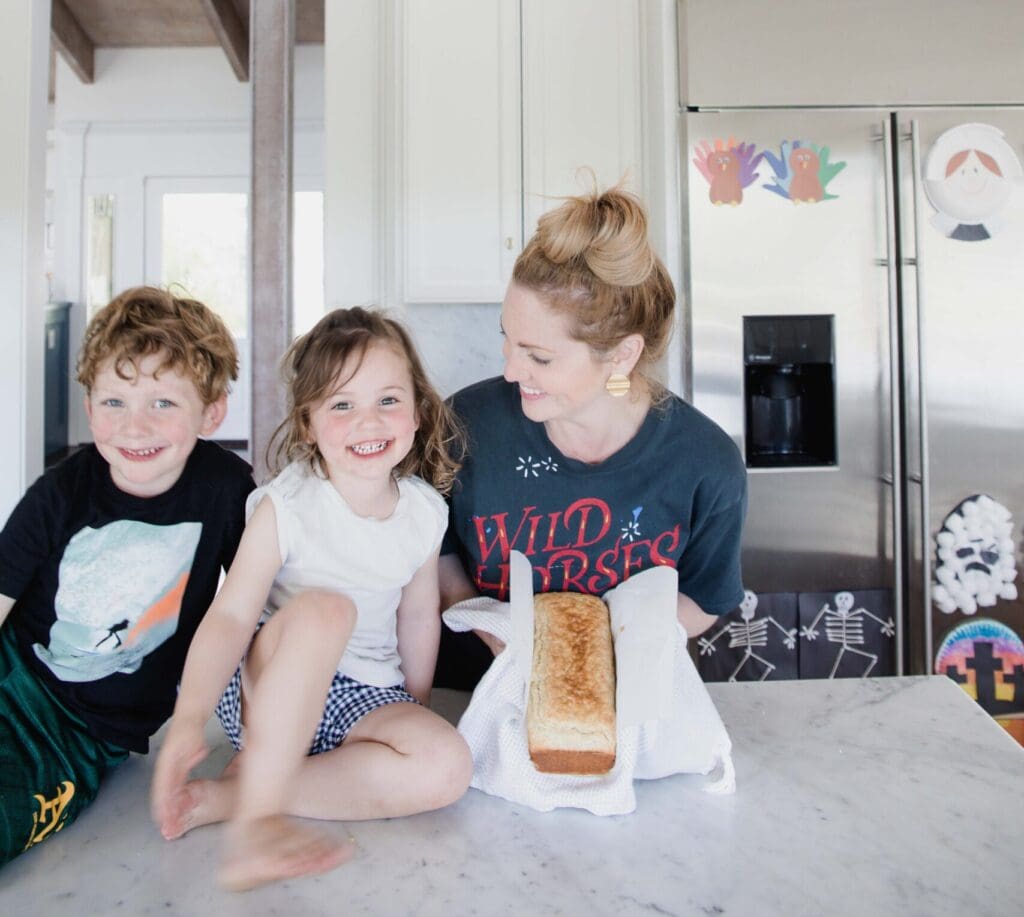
point(70, 39)
point(231, 33)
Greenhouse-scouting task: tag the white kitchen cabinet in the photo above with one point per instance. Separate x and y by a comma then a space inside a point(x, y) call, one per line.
point(582, 97)
point(459, 186)
point(452, 125)
point(473, 183)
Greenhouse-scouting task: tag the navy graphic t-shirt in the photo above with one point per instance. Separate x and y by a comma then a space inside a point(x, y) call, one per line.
point(674, 495)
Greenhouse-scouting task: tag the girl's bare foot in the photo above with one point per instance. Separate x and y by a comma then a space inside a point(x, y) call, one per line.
point(198, 803)
point(275, 847)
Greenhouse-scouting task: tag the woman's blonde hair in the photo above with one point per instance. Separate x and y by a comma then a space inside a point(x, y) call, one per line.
point(591, 259)
point(310, 370)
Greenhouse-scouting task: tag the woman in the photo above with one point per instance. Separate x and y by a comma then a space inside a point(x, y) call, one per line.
point(578, 458)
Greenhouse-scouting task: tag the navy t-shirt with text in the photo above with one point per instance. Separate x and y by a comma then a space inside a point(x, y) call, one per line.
point(674, 495)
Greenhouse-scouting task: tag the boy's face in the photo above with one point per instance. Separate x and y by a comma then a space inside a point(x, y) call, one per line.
point(146, 426)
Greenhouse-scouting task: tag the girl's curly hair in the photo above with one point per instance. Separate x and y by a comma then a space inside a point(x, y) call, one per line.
point(310, 370)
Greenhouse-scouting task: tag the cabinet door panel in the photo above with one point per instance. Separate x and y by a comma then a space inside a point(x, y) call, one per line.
point(582, 98)
point(461, 214)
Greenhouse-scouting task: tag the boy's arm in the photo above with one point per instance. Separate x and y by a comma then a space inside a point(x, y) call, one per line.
point(6, 604)
point(30, 537)
point(419, 630)
point(217, 648)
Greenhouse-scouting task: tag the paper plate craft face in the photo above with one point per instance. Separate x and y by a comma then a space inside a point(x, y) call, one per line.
point(968, 178)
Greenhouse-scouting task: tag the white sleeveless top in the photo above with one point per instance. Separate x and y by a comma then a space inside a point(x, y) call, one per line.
point(325, 545)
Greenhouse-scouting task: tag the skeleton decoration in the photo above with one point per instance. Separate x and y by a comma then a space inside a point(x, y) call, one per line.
point(844, 625)
point(749, 634)
point(975, 557)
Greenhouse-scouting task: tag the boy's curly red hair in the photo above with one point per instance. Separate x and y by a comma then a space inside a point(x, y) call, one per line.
point(147, 320)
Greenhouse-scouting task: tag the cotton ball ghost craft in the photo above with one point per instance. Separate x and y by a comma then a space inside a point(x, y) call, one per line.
point(976, 564)
point(728, 167)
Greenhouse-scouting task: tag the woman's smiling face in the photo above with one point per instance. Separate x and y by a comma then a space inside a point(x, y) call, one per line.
point(559, 377)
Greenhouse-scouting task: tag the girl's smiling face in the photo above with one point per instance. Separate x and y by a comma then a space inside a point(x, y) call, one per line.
point(367, 423)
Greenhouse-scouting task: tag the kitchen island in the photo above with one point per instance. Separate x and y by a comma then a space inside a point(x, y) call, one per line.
point(879, 796)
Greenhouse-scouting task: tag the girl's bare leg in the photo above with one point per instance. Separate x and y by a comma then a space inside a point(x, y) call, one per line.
point(397, 760)
point(285, 680)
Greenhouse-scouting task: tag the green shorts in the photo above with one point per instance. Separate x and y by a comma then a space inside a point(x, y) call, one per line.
point(50, 767)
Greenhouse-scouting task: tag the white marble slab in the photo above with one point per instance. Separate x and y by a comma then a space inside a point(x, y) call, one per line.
point(886, 796)
point(459, 343)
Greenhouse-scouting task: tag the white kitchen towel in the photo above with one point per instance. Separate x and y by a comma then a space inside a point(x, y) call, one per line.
point(691, 738)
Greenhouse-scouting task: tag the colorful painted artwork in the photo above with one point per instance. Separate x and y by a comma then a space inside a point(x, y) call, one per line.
point(802, 172)
point(968, 178)
point(729, 167)
point(986, 658)
point(975, 561)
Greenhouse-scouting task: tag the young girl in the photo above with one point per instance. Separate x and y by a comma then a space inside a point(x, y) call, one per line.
point(339, 556)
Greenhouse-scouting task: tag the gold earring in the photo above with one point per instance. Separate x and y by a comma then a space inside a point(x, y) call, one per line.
point(617, 385)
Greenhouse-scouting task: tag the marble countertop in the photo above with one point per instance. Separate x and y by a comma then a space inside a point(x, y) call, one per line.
point(884, 796)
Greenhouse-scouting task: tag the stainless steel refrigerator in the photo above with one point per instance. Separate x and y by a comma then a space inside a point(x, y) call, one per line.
point(855, 307)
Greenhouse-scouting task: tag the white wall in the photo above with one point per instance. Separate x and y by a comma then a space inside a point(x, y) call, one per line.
point(154, 114)
point(852, 52)
point(24, 64)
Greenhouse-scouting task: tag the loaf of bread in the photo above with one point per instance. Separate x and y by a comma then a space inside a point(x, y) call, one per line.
point(570, 714)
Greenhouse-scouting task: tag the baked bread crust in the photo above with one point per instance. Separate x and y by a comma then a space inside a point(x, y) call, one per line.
point(570, 713)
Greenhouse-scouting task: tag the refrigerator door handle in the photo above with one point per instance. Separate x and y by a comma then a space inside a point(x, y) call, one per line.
point(922, 399)
point(896, 473)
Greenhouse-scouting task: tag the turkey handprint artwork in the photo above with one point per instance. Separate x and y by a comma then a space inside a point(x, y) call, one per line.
point(802, 172)
point(728, 167)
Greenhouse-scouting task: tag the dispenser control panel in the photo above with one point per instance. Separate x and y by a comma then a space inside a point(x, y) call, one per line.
point(789, 398)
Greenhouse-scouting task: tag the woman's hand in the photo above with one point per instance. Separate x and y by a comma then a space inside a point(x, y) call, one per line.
point(456, 587)
point(693, 618)
point(183, 748)
point(493, 643)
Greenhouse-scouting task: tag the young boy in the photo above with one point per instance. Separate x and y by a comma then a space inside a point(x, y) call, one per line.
point(111, 559)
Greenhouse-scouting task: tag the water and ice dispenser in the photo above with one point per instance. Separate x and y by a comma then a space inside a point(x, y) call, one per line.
point(789, 390)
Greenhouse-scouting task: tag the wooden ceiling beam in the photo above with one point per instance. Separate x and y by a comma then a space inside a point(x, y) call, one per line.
point(70, 39)
point(231, 33)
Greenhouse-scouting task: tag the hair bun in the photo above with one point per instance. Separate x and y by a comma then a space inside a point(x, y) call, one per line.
point(607, 231)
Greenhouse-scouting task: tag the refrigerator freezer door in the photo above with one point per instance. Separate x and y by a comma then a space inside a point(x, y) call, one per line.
point(963, 316)
point(817, 249)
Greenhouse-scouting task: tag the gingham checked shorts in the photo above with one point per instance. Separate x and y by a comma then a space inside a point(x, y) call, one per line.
point(348, 701)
